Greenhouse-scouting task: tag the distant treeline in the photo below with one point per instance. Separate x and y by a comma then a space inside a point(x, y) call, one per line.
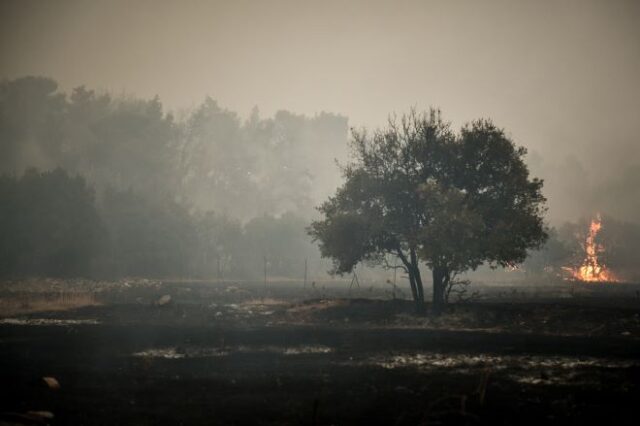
point(52, 225)
point(96, 185)
point(208, 159)
point(93, 184)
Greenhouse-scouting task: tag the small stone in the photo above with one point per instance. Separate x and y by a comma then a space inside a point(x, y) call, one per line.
point(51, 382)
point(164, 300)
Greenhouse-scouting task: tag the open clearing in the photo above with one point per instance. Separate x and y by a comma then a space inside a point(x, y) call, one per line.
point(222, 353)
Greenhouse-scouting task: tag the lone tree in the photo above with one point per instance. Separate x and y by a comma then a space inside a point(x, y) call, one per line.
point(418, 191)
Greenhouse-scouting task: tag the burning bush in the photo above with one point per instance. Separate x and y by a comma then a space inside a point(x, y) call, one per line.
point(598, 249)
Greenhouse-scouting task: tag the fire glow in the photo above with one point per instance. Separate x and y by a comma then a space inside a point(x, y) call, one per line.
point(592, 269)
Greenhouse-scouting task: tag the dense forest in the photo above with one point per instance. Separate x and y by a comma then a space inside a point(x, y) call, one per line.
point(97, 185)
point(94, 184)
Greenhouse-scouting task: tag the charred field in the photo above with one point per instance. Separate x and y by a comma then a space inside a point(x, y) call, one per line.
point(223, 353)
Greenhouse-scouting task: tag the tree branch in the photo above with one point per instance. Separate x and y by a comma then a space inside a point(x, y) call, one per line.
point(387, 265)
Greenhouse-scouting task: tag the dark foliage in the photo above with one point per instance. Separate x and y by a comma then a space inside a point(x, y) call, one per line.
point(49, 225)
point(420, 192)
point(206, 196)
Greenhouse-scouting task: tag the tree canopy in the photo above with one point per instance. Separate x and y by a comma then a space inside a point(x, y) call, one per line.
point(205, 193)
point(49, 224)
point(207, 157)
point(421, 192)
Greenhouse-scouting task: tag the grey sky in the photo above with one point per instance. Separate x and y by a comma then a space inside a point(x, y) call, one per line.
point(562, 76)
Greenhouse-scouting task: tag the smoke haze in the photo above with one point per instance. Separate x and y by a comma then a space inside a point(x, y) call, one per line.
point(561, 76)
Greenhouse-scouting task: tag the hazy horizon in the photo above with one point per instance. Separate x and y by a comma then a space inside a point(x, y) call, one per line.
point(562, 77)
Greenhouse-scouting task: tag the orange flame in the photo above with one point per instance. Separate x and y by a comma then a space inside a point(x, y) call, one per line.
point(592, 270)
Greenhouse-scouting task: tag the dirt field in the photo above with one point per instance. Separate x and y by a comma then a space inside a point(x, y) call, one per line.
point(145, 352)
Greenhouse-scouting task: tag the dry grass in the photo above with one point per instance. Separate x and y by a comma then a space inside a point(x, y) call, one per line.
point(267, 301)
point(26, 303)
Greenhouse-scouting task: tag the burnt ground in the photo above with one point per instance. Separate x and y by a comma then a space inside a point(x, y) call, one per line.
point(219, 353)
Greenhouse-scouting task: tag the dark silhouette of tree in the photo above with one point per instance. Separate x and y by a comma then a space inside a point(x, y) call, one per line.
point(157, 180)
point(122, 143)
point(32, 116)
point(418, 191)
point(49, 225)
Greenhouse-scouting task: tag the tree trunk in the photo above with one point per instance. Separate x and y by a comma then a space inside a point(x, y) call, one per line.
point(412, 282)
point(419, 299)
point(440, 279)
point(415, 280)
